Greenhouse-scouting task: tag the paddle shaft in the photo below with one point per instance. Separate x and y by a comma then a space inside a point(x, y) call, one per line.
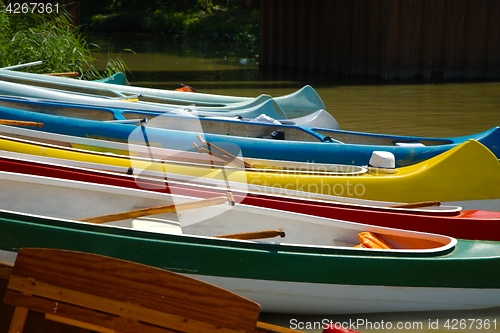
point(66, 74)
point(20, 123)
point(154, 210)
point(417, 204)
point(255, 234)
point(222, 151)
point(34, 63)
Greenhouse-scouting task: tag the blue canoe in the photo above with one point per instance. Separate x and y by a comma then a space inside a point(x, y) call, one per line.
point(257, 140)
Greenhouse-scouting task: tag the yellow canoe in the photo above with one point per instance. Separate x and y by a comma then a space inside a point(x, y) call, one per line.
point(467, 175)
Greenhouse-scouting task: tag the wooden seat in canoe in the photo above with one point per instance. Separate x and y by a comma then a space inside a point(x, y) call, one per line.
point(105, 294)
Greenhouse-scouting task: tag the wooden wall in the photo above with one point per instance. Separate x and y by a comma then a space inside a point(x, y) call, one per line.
point(391, 39)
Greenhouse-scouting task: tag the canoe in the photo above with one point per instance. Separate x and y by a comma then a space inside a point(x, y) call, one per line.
point(446, 220)
point(118, 78)
point(263, 104)
point(196, 158)
point(417, 272)
point(189, 115)
point(255, 140)
point(465, 176)
point(304, 101)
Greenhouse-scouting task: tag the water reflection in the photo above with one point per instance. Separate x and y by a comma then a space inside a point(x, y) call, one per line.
point(425, 109)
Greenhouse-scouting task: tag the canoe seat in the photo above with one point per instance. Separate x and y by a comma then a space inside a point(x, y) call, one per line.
point(108, 295)
point(409, 144)
point(157, 225)
point(370, 240)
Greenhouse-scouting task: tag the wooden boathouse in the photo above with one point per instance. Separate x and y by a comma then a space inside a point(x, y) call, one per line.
point(389, 39)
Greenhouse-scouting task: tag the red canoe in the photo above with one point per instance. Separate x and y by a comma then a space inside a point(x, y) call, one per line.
point(466, 224)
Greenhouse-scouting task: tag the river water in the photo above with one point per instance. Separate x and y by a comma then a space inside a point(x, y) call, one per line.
point(438, 109)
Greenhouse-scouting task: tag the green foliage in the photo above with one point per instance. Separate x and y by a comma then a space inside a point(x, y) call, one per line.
point(52, 38)
point(204, 23)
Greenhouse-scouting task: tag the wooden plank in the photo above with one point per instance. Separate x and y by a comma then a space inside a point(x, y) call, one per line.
point(146, 287)
point(326, 35)
point(284, 46)
point(5, 270)
point(390, 51)
point(493, 63)
point(478, 43)
point(455, 57)
point(80, 315)
point(376, 33)
point(302, 34)
point(72, 322)
point(292, 29)
point(389, 38)
point(18, 320)
point(313, 34)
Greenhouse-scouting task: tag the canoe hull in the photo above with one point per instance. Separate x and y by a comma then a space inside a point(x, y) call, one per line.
point(313, 150)
point(327, 299)
point(297, 104)
point(473, 183)
point(294, 278)
point(473, 224)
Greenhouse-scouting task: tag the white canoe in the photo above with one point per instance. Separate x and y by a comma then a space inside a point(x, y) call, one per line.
point(314, 269)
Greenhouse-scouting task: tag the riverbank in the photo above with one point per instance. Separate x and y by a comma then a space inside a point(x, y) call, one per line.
point(237, 27)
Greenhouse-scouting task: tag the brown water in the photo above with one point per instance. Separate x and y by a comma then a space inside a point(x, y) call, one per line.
point(425, 109)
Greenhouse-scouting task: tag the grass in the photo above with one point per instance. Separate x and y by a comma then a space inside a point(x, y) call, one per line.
point(52, 38)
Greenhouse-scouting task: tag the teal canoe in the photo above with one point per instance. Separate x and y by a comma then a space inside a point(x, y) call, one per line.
point(296, 104)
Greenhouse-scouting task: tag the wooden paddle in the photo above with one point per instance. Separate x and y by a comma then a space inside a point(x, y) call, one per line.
point(255, 234)
point(417, 204)
point(66, 74)
point(20, 123)
point(154, 210)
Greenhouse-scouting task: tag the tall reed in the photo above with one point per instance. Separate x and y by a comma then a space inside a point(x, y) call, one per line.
point(52, 38)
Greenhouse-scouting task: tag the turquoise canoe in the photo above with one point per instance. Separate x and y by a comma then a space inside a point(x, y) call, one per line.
point(297, 104)
point(255, 140)
point(117, 78)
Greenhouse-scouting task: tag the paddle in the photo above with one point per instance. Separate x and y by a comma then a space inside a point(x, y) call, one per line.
point(154, 210)
point(223, 154)
point(128, 121)
point(66, 74)
point(20, 123)
point(28, 64)
point(417, 204)
point(255, 234)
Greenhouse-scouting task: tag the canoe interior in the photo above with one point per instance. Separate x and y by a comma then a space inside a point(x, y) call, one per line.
point(76, 200)
point(224, 127)
point(46, 166)
point(177, 156)
point(62, 110)
point(187, 123)
point(52, 85)
point(373, 139)
point(231, 128)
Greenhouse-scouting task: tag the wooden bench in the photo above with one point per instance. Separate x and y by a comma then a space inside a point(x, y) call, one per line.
point(108, 295)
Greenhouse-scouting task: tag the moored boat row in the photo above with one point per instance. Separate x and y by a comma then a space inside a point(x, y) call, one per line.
point(296, 212)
